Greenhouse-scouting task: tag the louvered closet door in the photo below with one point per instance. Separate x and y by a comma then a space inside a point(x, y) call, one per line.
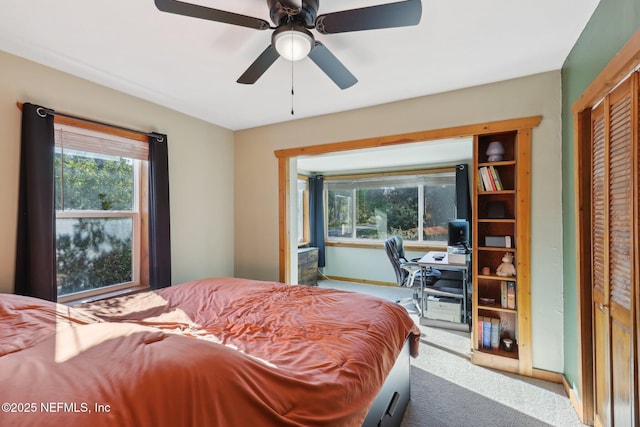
point(614, 170)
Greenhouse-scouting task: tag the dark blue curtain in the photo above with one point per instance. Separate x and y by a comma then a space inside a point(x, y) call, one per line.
point(159, 224)
point(35, 269)
point(463, 198)
point(316, 215)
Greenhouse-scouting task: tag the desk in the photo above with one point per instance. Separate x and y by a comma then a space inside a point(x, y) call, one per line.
point(440, 261)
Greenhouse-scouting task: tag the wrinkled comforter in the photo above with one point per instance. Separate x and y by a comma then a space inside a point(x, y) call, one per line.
point(213, 352)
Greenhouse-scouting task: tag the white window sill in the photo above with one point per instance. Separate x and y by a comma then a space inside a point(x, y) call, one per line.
point(81, 299)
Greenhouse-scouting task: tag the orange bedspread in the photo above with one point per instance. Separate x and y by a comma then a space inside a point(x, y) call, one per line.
point(215, 352)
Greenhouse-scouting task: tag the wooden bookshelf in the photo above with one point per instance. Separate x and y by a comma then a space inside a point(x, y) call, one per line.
point(502, 212)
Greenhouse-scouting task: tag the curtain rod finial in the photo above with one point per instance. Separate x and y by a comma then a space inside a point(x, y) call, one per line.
point(158, 136)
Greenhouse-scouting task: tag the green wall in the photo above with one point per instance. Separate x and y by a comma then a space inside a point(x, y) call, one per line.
point(612, 24)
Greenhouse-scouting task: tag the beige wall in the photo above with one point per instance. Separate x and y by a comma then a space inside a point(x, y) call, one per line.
point(200, 164)
point(206, 173)
point(256, 201)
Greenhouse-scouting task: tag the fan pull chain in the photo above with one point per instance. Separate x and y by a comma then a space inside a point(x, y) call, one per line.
point(292, 93)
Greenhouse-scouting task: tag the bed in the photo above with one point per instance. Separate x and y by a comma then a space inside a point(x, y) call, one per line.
point(213, 352)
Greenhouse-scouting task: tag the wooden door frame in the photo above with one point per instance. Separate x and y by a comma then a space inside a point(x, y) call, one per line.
point(285, 155)
point(621, 66)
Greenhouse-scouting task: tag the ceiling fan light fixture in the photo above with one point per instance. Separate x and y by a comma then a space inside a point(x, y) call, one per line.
point(293, 43)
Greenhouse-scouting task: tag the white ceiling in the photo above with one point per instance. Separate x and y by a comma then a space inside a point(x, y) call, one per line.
point(191, 65)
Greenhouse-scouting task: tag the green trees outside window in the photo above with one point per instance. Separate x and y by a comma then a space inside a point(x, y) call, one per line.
point(416, 207)
point(381, 211)
point(95, 204)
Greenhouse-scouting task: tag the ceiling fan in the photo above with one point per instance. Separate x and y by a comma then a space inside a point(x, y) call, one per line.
point(291, 37)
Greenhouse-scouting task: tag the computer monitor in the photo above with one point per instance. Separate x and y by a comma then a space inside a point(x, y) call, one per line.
point(459, 234)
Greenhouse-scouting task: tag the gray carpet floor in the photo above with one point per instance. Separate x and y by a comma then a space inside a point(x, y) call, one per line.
point(447, 390)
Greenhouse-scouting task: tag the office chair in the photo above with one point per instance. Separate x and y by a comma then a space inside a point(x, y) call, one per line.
point(407, 271)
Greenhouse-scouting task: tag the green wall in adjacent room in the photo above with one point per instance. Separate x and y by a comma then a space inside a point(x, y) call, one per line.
point(612, 24)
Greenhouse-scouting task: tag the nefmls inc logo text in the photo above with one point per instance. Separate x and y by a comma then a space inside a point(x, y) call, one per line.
point(64, 407)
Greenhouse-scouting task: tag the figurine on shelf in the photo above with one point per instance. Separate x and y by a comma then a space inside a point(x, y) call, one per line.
point(506, 269)
point(495, 151)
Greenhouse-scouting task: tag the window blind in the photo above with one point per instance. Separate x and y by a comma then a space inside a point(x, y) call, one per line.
point(442, 178)
point(86, 140)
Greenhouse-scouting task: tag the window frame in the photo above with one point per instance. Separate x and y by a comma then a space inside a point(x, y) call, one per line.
point(362, 242)
point(139, 214)
point(303, 213)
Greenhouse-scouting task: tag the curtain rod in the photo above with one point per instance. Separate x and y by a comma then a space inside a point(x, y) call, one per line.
point(43, 112)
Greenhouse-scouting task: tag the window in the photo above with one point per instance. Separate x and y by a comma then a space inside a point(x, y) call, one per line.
point(99, 205)
point(415, 206)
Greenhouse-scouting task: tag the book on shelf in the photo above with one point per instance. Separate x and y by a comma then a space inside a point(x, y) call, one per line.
point(511, 295)
point(486, 333)
point(503, 294)
point(498, 241)
point(495, 333)
point(493, 172)
point(489, 179)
